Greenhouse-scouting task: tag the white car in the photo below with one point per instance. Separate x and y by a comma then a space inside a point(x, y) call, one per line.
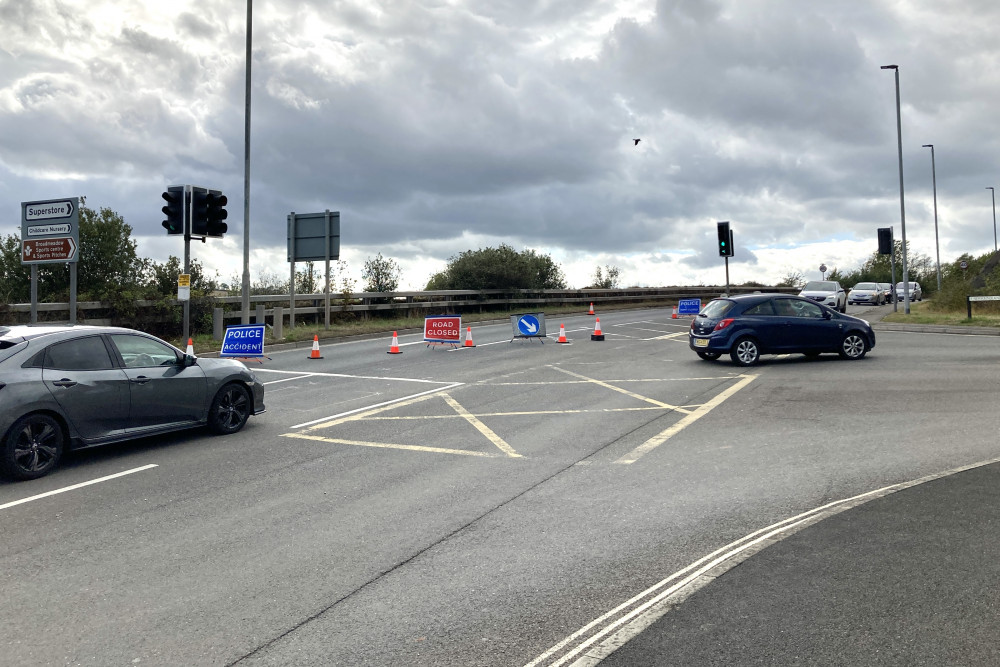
point(827, 292)
point(916, 294)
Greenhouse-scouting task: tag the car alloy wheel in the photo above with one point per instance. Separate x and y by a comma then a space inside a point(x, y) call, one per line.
point(32, 448)
point(745, 352)
point(230, 409)
point(853, 346)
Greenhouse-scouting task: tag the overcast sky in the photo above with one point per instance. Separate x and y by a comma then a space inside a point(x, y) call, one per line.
point(438, 126)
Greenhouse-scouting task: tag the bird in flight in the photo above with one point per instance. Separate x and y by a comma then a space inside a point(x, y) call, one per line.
point(636, 141)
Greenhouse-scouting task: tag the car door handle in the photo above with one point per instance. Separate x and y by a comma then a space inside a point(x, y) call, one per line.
point(141, 379)
point(65, 382)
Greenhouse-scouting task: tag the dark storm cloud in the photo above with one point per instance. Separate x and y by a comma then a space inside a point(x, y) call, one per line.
point(429, 124)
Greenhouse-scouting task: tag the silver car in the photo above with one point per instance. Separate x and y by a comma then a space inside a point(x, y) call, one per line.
point(69, 387)
point(865, 293)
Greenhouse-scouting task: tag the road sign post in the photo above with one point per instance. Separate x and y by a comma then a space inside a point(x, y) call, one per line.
point(50, 234)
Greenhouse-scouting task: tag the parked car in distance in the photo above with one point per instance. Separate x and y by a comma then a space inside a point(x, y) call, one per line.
point(749, 325)
point(888, 293)
point(868, 294)
point(916, 294)
point(827, 292)
point(69, 387)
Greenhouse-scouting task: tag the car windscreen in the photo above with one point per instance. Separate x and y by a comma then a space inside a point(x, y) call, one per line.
point(868, 286)
point(717, 308)
point(820, 286)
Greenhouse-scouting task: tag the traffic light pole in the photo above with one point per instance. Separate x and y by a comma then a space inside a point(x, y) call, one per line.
point(187, 256)
point(727, 275)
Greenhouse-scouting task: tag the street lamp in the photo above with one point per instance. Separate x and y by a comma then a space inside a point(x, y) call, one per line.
point(937, 246)
point(994, 196)
point(902, 208)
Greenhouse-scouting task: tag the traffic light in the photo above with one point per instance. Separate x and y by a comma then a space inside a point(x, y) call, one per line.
point(885, 240)
point(216, 202)
point(725, 240)
point(199, 211)
point(174, 210)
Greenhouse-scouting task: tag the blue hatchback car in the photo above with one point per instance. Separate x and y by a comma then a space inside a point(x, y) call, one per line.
point(749, 325)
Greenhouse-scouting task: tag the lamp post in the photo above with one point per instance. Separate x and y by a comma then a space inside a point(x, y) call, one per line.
point(994, 197)
point(902, 208)
point(245, 287)
point(937, 245)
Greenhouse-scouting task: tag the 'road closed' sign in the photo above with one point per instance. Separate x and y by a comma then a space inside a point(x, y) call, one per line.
point(443, 329)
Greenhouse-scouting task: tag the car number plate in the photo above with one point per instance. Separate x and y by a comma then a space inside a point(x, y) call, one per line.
point(701, 342)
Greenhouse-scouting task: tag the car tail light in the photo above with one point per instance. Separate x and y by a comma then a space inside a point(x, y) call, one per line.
point(723, 324)
point(692, 325)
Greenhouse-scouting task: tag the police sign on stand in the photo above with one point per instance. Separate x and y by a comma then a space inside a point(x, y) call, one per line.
point(689, 306)
point(243, 340)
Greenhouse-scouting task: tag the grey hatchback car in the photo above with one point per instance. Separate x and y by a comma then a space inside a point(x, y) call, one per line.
point(69, 387)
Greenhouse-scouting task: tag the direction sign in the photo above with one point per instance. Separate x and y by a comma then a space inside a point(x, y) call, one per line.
point(44, 242)
point(41, 251)
point(50, 210)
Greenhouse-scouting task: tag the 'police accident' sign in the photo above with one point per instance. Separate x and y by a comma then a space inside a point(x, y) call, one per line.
point(244, 340)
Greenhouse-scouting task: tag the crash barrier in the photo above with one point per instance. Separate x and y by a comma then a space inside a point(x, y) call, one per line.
point(276, 309)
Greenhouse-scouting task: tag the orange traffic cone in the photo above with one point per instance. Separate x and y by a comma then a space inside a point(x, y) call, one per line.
point(597, 335)
point(562, 334)
point(394, 348)
point(591, 308)
point(674, 315)
point(315, 351)
point(190, 348)
point(468, 337)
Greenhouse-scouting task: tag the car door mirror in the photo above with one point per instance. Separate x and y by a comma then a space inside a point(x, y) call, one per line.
point(827, 314)
point(188, 360)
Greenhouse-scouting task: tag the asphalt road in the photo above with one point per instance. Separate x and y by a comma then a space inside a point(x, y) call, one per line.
point(464, 507)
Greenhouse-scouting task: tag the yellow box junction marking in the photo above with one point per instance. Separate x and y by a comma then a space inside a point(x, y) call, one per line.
point(691, 418)
point(692, 414)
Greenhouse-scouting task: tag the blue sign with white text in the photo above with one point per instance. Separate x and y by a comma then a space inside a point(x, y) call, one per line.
point(689, 306)
point(243, 340)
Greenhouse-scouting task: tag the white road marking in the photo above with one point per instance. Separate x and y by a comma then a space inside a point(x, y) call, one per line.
point(689, 419)
point(378, 405)
point(658, 599)
point(76, 486)
point(305, 374)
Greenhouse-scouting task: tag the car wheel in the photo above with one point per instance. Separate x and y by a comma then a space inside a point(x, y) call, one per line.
point(853, 346)
point(32, 447)
point(709, 356)
point(745, 352)
point(230, 409)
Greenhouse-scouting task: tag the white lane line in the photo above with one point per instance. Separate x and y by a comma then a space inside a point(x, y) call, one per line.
point(297, 377)
point(305, 374)
point(699, 574)
point(378, 405)
point(76, 486)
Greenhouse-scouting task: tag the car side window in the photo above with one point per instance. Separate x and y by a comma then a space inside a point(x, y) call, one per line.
point(807, 309)
point(784, 308)
point(80, 354)
point(762, 308)
point(142, 352)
